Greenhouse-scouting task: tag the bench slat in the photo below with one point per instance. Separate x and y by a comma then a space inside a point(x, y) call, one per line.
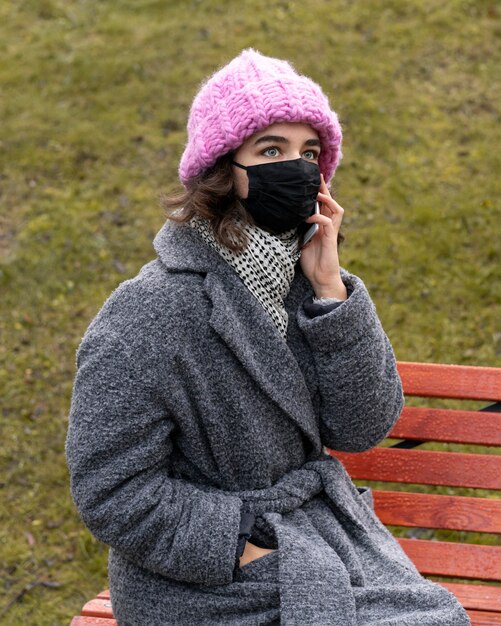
point(92, 621)
point(98, 607)
point(478, 618)
point(402, 508)
point(484, 618)
point(444, 558)
point(451, 425)
point(482, 597)
point(424, 466)
point(450, 381)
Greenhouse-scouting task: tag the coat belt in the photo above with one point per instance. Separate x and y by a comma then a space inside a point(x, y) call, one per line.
point(288, 493)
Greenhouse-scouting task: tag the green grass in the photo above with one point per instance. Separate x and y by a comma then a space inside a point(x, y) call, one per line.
point(94, 103)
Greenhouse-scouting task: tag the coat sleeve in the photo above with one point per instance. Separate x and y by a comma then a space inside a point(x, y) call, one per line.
point(118, 448)
point(358, 390)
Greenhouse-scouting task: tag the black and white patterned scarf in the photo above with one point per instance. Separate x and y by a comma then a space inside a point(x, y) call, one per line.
point(266, 266)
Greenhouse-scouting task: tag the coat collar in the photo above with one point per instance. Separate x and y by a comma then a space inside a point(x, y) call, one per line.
point(242, 323)
point(180, 248)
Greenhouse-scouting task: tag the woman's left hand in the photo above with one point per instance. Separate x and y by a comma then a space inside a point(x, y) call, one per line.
point(319, 258)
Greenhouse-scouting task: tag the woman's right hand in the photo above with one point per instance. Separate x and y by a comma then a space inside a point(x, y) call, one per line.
point(252, 552)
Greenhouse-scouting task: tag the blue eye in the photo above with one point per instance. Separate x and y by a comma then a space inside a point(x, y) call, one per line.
point(271, 152)
point(311, 155)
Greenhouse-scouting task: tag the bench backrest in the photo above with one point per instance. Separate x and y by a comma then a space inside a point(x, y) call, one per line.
point(444, 469)
point(450, 469)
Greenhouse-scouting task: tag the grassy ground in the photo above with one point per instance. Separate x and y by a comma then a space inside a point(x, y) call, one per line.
point(95, 98)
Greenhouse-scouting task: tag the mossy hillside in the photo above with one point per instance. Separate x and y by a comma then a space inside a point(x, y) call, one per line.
point(95, 98)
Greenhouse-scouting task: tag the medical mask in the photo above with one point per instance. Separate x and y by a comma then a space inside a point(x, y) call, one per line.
point(281, 194)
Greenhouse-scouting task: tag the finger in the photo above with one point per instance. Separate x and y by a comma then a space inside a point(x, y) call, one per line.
point(318, 218)
point(328, 200)
point(324, 190)
point(332, 210)
point(325, 223)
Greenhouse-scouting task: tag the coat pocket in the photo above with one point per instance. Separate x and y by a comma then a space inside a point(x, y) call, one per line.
point(263, 568)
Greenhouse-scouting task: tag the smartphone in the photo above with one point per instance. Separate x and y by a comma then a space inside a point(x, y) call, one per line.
point(311, 229)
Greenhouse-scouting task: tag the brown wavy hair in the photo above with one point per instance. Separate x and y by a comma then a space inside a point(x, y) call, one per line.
point(212, 195)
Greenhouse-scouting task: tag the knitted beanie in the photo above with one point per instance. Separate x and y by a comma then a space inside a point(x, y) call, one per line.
point(247, 95)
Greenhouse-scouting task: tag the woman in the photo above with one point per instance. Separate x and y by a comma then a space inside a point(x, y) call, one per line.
point(209, 384)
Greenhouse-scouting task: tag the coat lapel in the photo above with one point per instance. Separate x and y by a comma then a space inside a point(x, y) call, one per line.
point(242, 323)
point(246, 328)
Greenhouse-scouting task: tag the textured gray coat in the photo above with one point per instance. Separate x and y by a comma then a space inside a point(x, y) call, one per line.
point(189, 407)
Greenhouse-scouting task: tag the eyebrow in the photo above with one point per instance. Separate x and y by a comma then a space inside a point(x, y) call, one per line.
point(273, 138)
point(279, 139)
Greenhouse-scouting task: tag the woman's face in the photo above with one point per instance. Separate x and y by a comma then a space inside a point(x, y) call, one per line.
point(283, 141)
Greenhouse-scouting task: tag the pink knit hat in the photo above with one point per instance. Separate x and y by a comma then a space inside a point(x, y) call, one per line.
point(247, 95)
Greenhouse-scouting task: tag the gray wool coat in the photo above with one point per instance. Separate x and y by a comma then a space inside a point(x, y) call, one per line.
point(189, 408)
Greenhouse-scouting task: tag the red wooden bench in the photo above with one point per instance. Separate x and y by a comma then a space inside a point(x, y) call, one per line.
point(466, 567)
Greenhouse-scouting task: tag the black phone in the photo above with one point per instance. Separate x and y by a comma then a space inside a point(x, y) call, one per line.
point(310, 229)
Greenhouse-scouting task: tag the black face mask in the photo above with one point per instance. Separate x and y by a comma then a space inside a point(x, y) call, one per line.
point(281, 194)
